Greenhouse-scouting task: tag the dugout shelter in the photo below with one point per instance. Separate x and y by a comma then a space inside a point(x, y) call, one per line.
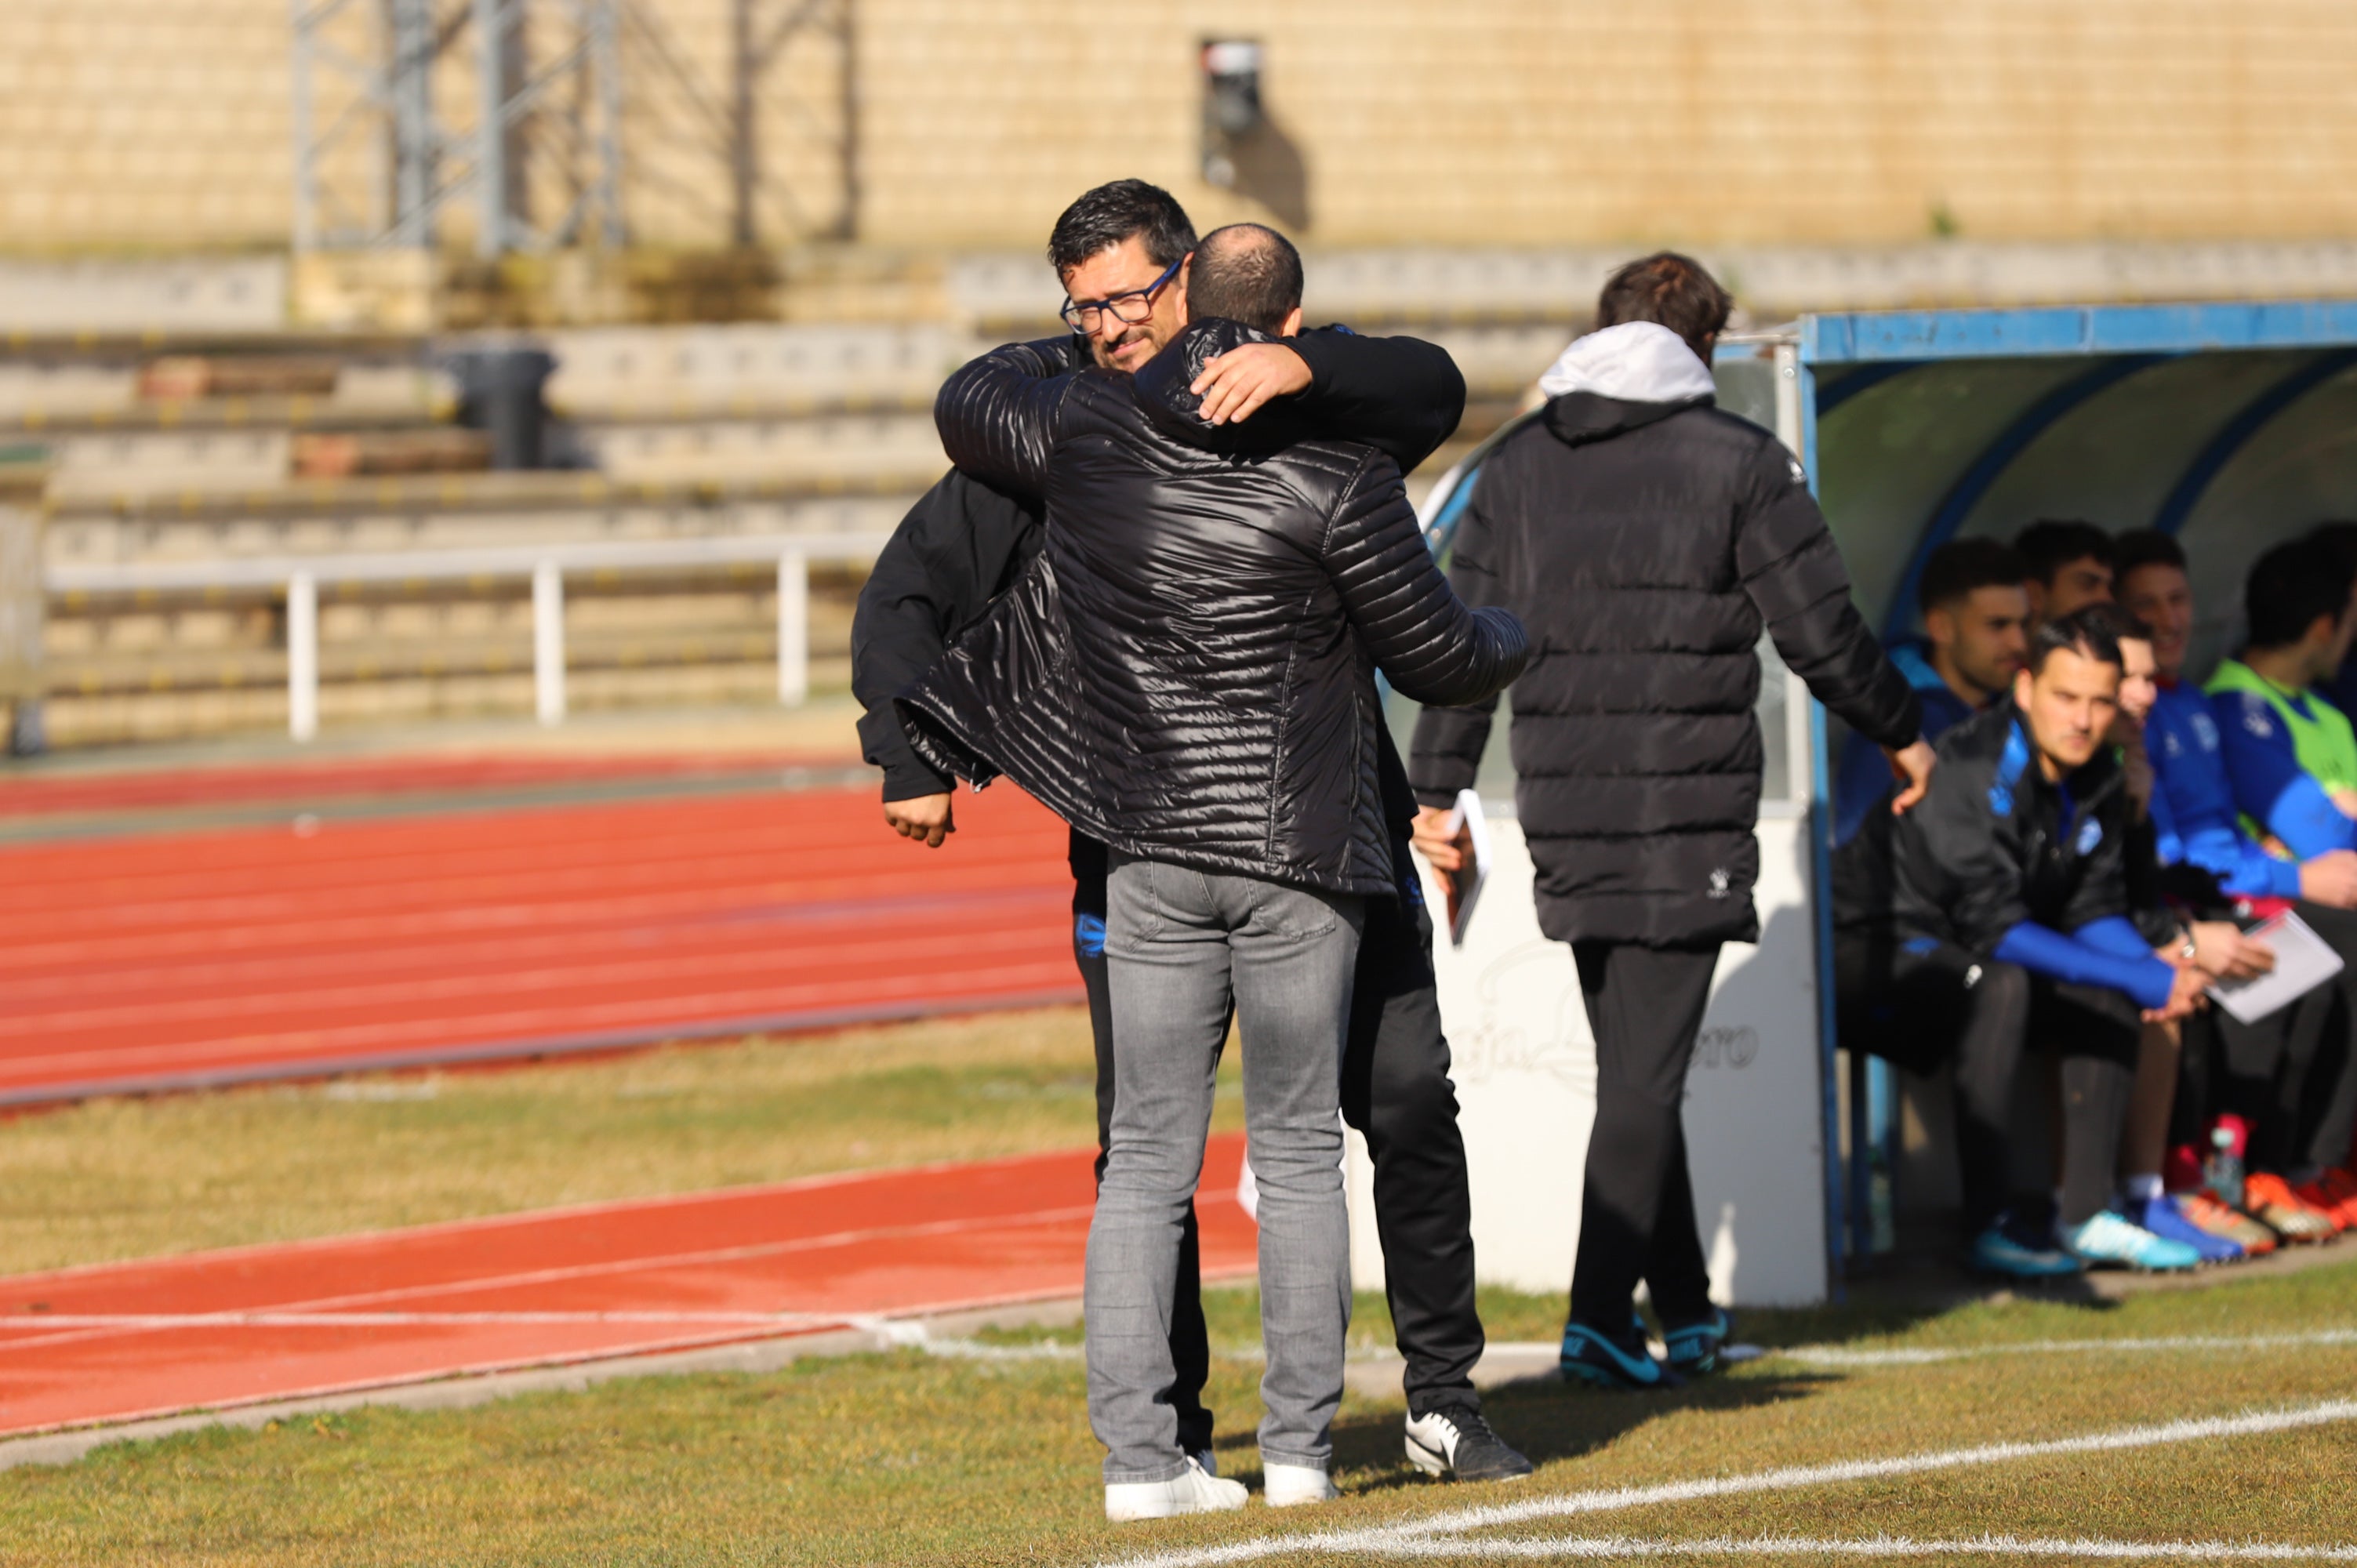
point(2233, 426)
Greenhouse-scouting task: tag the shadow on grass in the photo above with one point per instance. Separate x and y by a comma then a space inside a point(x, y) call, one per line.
point(1546, 1418)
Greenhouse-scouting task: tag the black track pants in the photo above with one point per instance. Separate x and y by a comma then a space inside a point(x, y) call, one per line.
point(1945, 1006)
point(2292, 1076)
point(1395, 1091)
point(1637, 1213)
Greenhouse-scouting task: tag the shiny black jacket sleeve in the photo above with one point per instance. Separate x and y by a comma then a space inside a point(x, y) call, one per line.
point(1445, 753)
point(996, 414)
point(1793, 573)
point(957, 550)
point(1401, 395)
point(1431, 646)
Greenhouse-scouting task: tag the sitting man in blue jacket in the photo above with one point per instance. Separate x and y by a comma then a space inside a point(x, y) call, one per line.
point(2272, 763)
point(1975, 632)
point(1994, 916)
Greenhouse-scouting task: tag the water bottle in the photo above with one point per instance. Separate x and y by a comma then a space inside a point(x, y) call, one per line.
point(2221, 1172)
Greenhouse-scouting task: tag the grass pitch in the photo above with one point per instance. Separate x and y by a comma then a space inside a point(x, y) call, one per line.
point(918, 1458)
point(914, 1457)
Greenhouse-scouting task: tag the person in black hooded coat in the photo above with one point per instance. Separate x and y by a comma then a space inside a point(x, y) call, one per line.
point(1644, 538)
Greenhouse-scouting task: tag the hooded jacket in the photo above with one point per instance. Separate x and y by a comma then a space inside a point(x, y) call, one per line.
point(1644, 538)
point(1187, 672)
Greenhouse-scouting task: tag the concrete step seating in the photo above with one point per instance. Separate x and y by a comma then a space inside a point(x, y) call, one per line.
point(172, 449)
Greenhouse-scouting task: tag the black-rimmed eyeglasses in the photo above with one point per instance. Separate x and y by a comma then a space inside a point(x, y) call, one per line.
point(1130, 308)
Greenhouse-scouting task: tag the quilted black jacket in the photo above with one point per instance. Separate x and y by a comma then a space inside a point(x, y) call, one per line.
point(1187, 672)
point(1645, 545)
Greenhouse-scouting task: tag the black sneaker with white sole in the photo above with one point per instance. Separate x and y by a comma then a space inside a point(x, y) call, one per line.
point(1456, 1443)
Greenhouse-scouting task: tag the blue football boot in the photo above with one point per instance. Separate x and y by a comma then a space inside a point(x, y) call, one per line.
point(1693, 1347)
point(1592, 1357)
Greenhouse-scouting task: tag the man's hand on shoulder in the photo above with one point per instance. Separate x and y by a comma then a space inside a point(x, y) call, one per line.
point(925, 817)
point(1234, 385)
point(1912, 767)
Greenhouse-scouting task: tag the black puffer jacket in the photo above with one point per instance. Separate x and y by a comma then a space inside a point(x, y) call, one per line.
point(1187, 672)
point(1644, 544)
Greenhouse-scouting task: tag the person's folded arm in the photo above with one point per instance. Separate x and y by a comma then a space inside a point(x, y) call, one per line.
point(996, 414)
point(1431, 646)
point(1401, 395)
point(1794, 577)
point(2268, 783)
point(2042, 950)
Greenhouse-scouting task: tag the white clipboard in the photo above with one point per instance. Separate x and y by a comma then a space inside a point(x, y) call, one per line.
point(2303, 962)
point(1468, 880)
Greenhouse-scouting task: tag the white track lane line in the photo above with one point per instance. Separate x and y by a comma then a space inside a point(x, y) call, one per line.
point(1388, 1539)
point(1838, 1356)
point(1617, 1547)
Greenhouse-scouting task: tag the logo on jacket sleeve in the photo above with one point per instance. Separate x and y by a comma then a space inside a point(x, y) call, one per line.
point(2205, 732)
point(1720, 882)
point(2090, 833)
point(2255, 718)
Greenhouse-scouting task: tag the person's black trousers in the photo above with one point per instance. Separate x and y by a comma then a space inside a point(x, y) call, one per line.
point(1637, 1211)
point(2293, 1074)
point(1921, 1009)
point(1396, 1092)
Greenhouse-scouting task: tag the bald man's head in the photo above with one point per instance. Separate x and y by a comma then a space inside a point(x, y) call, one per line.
point(1244, 273)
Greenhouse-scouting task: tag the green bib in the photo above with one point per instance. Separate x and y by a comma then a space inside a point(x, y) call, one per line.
point(2322, 740)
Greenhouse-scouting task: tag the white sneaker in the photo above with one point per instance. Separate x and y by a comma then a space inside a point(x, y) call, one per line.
point(1290, 1486)
point(1191, 1491)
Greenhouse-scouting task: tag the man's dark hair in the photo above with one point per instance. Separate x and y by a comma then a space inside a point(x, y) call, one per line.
point(2087, 632)
point(1114, 211)
point(1244, 273)
point(2145, 547)
point(2120, 622)
point(2051, 544)
point(2341, 536)
point(1961, 566)
point(2291, 586)
point(1669, 288)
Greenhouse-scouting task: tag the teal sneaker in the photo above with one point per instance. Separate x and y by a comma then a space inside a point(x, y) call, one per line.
point(1998, 1250)
point(2110, 1238)
point(1693, 1347)
point(1590, 1357)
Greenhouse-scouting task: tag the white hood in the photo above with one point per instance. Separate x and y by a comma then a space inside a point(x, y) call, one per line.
point(1636, 361)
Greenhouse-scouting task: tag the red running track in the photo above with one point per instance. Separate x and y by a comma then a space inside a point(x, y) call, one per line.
point(125, 1341)
point(202, 958)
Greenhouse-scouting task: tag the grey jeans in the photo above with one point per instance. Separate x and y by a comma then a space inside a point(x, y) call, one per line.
point(1185, 946)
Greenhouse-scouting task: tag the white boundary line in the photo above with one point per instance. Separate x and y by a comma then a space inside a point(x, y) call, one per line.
point(1837, 1356)
point(1390, 1540)
point(1606, 1547)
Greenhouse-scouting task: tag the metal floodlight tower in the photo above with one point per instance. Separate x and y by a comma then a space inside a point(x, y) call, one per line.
point(375, 167)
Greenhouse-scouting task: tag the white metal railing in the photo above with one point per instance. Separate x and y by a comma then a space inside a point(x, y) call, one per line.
point(545, 565)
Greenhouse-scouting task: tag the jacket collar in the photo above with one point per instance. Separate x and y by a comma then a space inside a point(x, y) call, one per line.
point(2018, 769)
point(1163, 384)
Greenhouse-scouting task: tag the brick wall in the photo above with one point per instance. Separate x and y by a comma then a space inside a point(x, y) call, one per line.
point(163, 123)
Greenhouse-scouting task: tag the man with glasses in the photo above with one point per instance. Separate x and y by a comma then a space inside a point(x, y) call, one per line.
point(1187, 674)
point(1120, 250)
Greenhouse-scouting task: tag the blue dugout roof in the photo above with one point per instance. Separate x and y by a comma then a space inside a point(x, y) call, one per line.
point(2231, 425)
